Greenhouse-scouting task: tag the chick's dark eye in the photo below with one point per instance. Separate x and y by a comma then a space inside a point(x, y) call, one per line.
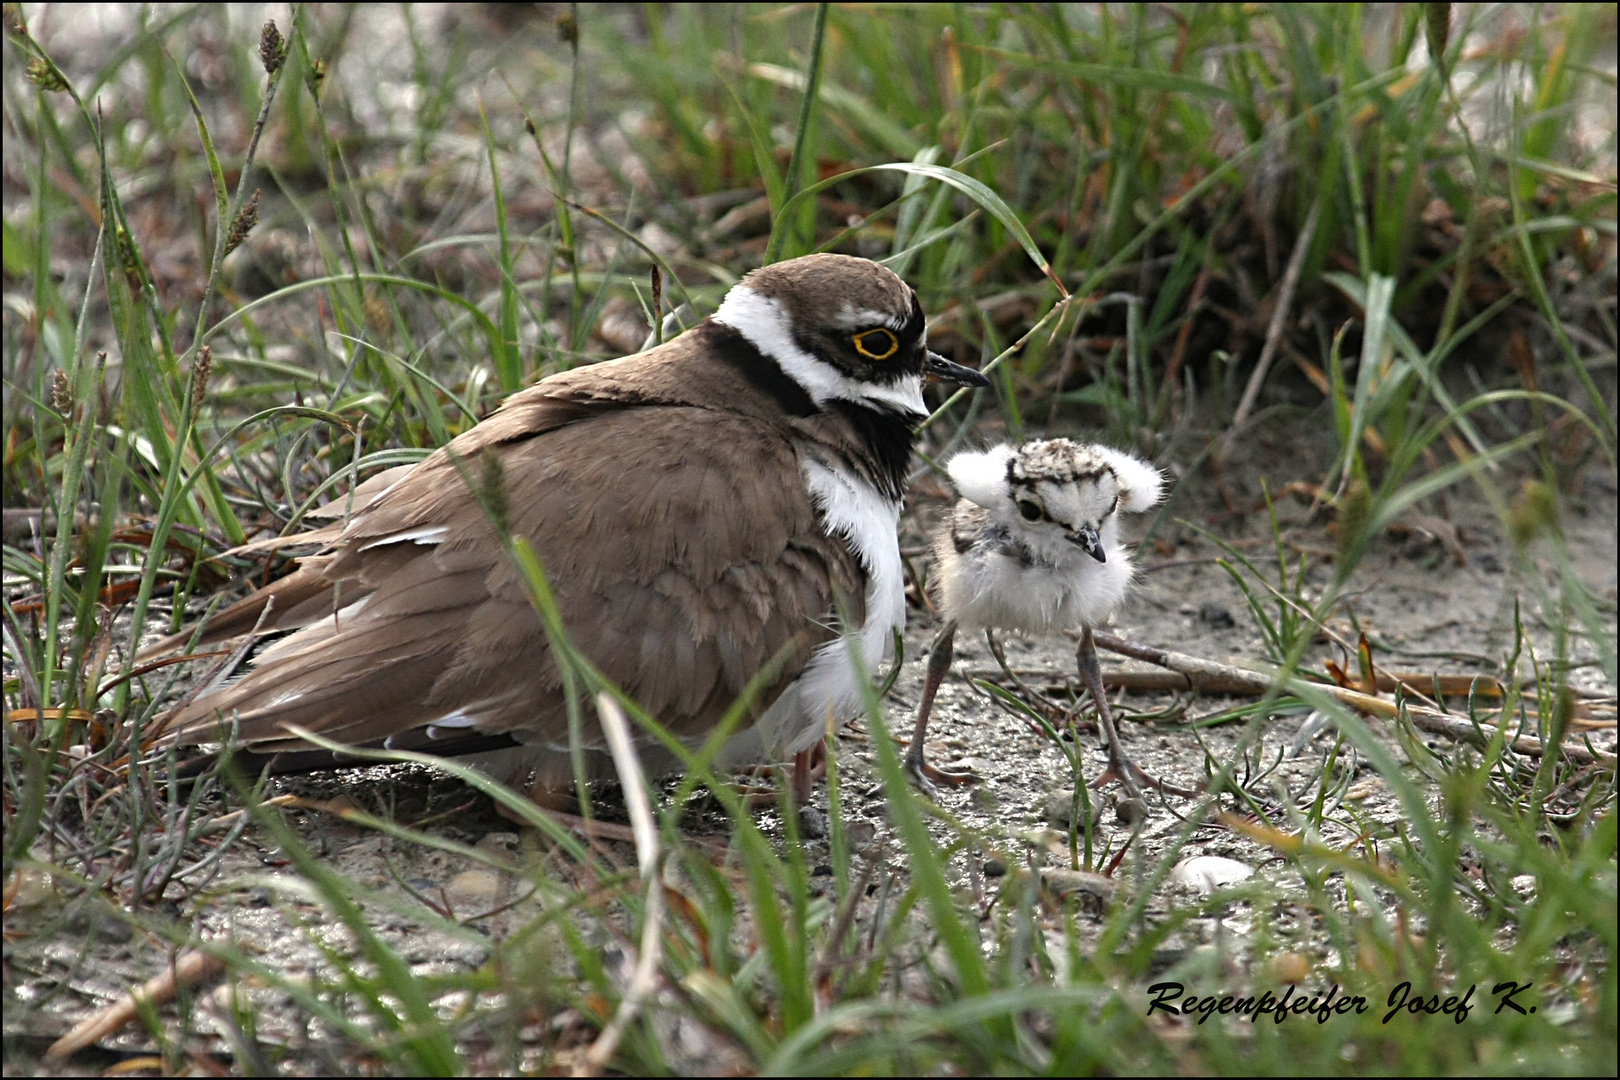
point(1030, 511)
point(878, 344)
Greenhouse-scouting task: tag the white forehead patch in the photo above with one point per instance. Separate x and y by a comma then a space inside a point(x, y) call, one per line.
point(851, 317)
point(1086, 500)
point(764, 322)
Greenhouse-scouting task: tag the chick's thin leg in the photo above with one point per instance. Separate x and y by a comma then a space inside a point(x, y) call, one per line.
point(1120, 767)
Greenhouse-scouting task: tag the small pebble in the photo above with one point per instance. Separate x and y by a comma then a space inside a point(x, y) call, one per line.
point(861, 834)
point(1060, 809)
point(994, 868)
point(1130, 812)
point(1206, 873)
point(812, 822)
point(502, 843)
point(474, 890)
point(1095, 890)
point(1289, 968)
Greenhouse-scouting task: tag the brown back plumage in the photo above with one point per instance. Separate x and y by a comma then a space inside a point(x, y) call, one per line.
point(652, 489)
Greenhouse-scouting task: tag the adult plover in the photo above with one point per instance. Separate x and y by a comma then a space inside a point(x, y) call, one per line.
point(1033, 545)
point(704, 511)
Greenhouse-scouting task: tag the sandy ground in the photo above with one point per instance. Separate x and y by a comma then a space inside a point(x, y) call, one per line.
point(1422, 608)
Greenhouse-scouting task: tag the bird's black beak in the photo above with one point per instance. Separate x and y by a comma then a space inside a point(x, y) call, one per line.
point(938, 369)
point(1087, 540)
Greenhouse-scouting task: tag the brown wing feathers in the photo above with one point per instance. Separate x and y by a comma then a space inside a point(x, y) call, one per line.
point(680, 575)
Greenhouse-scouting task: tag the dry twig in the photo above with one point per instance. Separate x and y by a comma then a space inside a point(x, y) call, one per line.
point(192, 968)
point(1220, 675)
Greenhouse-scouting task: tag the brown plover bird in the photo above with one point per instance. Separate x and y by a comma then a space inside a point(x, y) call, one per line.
point(704, 511)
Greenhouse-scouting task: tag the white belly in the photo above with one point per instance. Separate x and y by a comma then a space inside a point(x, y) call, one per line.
point(831, 684)
point(989, 589)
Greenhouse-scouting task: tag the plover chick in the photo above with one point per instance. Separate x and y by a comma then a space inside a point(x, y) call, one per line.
point(1033, 545)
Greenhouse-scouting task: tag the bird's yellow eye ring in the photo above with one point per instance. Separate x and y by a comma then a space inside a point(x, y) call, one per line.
point(887, 344)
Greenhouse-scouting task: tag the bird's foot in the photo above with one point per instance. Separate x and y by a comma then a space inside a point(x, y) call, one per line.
point(929, 778)
point(807, 767)
point(1130, 776)
point(1120, 767)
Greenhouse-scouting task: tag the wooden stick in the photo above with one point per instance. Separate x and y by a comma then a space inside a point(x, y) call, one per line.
point(1199, 670)
point(1169, 682)
point(192, 968)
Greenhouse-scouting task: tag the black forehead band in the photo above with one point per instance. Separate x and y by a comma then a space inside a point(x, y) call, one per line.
point(913, 329)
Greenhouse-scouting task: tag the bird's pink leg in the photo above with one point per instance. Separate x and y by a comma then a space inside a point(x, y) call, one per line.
point(939, 665)
point(1120, 767)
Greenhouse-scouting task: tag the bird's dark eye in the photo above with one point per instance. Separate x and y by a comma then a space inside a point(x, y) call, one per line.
point(878, 344)
point(1030, 509)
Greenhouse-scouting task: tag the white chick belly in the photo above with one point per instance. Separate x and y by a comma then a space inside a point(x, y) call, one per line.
point(999, 591)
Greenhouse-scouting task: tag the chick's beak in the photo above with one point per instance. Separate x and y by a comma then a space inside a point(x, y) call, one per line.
point(938, 369)
point(1087, 540)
